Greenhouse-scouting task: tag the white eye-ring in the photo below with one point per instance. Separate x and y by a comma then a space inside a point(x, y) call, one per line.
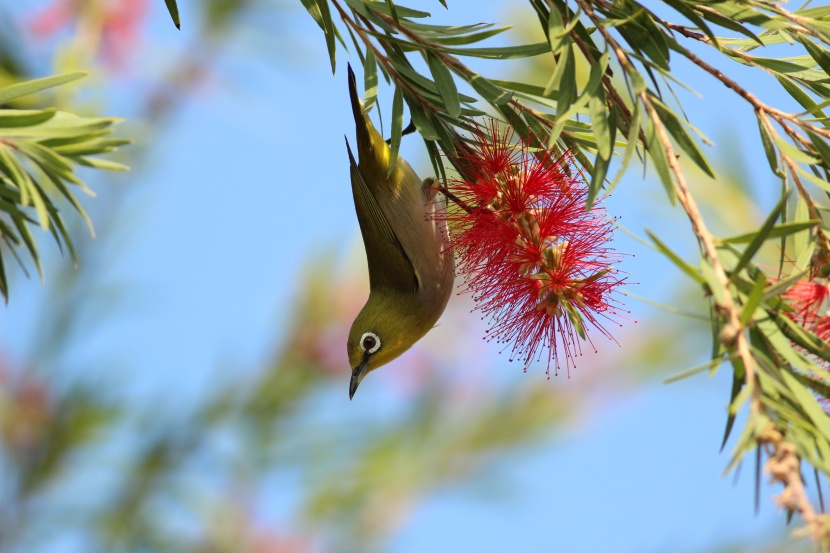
point(370, 342)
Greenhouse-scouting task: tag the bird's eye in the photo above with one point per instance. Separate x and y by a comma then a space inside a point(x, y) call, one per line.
point(370, 342)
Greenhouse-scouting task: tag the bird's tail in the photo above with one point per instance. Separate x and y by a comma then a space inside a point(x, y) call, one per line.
point(360, 119)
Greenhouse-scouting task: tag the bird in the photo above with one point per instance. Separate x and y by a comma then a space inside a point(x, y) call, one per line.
point(411, 265)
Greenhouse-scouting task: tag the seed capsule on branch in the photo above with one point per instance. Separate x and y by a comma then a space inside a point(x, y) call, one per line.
point(534, 258)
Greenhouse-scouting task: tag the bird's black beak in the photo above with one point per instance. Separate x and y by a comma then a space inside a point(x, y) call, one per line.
point(357, 376)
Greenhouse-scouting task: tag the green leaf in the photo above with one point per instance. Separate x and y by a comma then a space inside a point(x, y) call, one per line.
point(61, 125)
point(502, 53)
point(563, 80)
point(487, 89)
point(402, 11)
point(174, 12)
point(727, 23)
point(801, 337)
point(329, 32)
point(779, 287)
point(798, 94)
point(761, 236)
point(393, 11)
point(445, 83)
point(4, 283)
point(631, 143)
point(357, 47)
point(601, 164)
point(314, 10)
point(807, 401)
point(105, 164)
point(708, 365)
point(689, 14)
point(641, 34)
point(814, 384)
point(783, 68)
point(445, 136)
point(468, 38)
point(737, 395)
point(676, 259)
point(597, 178)
point(556, 29)
point(777, 231)
point(12, 92)
point(421, 121)
point(819, 54)
point(822, 149)
point(676, 128)
point(599, 124)
point(21, 224)
point(24, 118)
point(769, 149)
point(397, 128)
point(444, 30)
point(821, 183)
point(754, 299)
point(370, 81)
point(435, 158)
point(637, 82)
point(794, 153)
point(658, 157)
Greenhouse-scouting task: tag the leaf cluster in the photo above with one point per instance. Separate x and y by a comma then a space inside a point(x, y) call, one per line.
point(631, 108)
point(40, 150)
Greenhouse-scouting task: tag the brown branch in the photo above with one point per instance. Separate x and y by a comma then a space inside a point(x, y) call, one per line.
point(781, 117)
point(800, 22)
point(784, 466)
point(733, 336)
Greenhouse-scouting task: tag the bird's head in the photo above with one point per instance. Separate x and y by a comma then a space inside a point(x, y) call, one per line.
point(382, 331)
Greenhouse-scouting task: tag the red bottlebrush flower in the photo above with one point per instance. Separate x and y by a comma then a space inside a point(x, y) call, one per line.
point(536, 261)
point(806, 297)
point(820, 326)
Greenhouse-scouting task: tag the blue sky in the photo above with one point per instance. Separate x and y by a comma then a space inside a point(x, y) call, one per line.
point(251, 177)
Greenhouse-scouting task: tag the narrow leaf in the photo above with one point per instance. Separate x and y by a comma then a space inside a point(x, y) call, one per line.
point(445, 83)
point(23, 117)
point(370, 81)
point(599, 123)
point(174, 12)
point(769, 148)
point(397, 128)
point(25, 88)
point(754, 298)
point(777, 231)
point(328, 30)
point(681, 136)
point(487, 89)
point(761, 236)
point(676, 259)
point(658, 156)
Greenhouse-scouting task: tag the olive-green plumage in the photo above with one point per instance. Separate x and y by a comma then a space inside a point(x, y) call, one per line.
point(410, 265)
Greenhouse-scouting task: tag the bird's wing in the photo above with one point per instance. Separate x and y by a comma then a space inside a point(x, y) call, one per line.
point(389, 264)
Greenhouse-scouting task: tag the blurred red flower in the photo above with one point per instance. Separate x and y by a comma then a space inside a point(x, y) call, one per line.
point(119, 27)
point(535, 259)
point(806, 298)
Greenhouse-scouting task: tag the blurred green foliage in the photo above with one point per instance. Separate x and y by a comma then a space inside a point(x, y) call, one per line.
point(190, 480)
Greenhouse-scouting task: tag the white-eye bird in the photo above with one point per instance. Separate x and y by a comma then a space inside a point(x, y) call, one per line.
point(410, 263)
